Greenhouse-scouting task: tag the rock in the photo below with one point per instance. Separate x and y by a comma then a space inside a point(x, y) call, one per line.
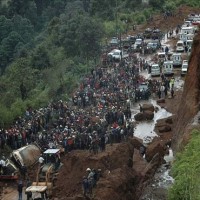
point(136, 142)
point(148, 115)
point(149, 107)
point(153, 149)
point(165, 128)
point(139, 117)
point(156, 109)
point(169, 120)
point(160, 101)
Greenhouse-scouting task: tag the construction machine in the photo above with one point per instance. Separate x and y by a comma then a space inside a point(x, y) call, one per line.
point(48, 171)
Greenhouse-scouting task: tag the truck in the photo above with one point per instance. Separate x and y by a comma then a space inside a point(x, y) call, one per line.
point(118, 55)
point(23, 157)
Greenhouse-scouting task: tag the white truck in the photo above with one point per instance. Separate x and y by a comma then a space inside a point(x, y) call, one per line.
point(117, 54)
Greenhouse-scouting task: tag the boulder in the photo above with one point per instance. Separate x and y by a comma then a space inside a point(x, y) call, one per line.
point(169, 120)
point(149, 107)
point(136, 142)
point(153, 149)
point(139, 117)
point(148, 115)
point(160, 101)
point(165, 128)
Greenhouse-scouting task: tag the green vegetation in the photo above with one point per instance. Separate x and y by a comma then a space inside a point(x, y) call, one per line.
point(46, 46)
point(186, 170)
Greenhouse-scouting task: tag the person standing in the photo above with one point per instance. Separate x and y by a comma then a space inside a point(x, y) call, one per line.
point(85, 186)
point(20, 189)
point(41, 160)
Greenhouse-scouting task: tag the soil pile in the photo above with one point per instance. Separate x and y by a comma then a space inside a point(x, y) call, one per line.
point(189, 105)
point(124, 172)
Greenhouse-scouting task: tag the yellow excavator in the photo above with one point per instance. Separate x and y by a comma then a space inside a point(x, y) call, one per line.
point(46, 176)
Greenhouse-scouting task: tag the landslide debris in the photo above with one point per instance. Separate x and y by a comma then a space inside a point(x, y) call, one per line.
point(190, 101)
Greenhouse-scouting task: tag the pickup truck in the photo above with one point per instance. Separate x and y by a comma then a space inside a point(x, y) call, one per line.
point(117, 54)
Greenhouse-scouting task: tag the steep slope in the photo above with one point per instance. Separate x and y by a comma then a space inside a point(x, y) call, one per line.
point(189, 105)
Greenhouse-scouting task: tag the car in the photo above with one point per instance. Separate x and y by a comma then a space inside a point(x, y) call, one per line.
point(138, 43)
point(180, 46)
point(155, 70)
point(161, 56)
point(114, 41)
point(142, 92)
point(184, 67)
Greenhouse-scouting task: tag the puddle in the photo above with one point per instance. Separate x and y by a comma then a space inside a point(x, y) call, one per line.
point(145, 130)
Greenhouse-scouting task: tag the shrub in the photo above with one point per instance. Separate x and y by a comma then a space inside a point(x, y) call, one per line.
point(186, 171)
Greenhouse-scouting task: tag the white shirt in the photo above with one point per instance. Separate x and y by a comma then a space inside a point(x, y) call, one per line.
point(2, 163)
point(41, 159)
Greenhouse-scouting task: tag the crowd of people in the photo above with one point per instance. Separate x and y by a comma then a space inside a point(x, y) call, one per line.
point(99, 112)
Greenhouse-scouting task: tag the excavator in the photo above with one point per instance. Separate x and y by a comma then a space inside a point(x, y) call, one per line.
point(46, 175)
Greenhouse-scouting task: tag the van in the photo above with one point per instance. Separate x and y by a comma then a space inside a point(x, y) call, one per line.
point(180, 46)
point(189, 43)
point(189, 36)
point(168, 68)
point(183, 37)
point(155, 70)
point(177, 59)
point(184, 67)
point(188, 30)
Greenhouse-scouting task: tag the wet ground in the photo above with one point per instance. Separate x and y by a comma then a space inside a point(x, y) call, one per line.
point(11, 193)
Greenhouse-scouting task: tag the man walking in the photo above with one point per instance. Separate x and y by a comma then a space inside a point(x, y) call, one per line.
point(20, 189)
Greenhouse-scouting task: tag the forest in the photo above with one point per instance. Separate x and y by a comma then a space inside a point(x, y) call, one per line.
point(47, 46)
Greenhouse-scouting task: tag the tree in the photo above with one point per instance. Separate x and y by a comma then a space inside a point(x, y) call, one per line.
point(156, 3)
point(23, 27)
point(6, 27)
point(40, 58)
point(89, 35)
point(7, 49)
point(18, 7)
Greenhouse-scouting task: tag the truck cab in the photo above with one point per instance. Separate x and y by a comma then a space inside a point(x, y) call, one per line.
point(168, 68)
point(155, 70)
